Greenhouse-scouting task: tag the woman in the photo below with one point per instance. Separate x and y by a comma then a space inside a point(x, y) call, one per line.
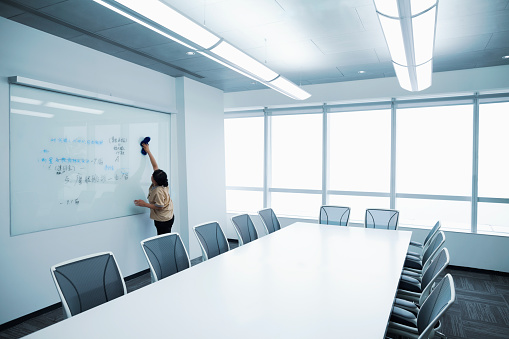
point(159, 201)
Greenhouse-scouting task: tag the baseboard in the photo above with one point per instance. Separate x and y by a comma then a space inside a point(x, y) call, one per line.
point(136, 275)
point(478, 270)
point(26, 317)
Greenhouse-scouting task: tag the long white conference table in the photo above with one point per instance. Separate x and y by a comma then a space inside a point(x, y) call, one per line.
point(304, 281)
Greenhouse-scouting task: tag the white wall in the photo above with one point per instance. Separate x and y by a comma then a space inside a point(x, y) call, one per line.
point(201, 157)
point(463, 81)
point(25, 283)
point(469, 250)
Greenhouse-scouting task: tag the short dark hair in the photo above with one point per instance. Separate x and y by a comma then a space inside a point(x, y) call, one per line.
point(160, 177)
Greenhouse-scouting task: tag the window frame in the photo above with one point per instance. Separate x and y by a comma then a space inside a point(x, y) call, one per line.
point(474, 99)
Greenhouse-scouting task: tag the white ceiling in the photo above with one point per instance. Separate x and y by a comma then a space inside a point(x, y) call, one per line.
point(307, 41)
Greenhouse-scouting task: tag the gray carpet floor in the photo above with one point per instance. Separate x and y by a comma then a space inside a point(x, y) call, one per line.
point(481, 310)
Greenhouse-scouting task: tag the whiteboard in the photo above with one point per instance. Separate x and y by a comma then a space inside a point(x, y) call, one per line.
point(75, 160)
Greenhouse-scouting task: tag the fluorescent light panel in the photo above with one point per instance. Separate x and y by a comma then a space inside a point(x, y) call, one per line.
point(423, 73)
point(288, 88)
point(394, 38)
point(409, 30)
point(28, 101)
point(423, 29)
point(244, 61)
point(74, 108)
point(421, 5)
point(168, 17)
point(31, 113)
point(202, 40)
point(403, 75)
point(389, 8)
point(227, 65)
point(127, 15)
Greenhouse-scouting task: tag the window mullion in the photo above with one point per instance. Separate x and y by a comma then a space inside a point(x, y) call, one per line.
point(325, 156)
point(267, 162)
point(475, 164)
point(393, 155)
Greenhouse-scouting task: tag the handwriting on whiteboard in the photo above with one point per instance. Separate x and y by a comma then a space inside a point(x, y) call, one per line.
point(75, 171)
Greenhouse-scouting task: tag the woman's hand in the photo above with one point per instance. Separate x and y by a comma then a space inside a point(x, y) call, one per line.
point(140, 203)
point(146, 148)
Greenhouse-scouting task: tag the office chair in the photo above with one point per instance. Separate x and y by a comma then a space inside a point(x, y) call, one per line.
point(246, 232)
point(212, 239)
point(334, 215)
point(381, 218)
point(413, 292)
point(269, 220)
point(427, 241)
point(88, 281)
point(418, 263)
point(166, 255)
point(408, 325)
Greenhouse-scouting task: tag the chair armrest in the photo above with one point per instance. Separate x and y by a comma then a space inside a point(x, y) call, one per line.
point(416, 244)
point(398, 329)
point(407, 305)
point(409, 284)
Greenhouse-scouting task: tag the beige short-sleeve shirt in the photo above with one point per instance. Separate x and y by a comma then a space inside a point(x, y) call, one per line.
point(160, 196)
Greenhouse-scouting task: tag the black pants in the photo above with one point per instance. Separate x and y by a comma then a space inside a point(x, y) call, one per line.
point(164, 227)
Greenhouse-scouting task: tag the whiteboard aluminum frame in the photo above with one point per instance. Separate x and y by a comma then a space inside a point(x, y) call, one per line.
point(60, 89)
point(22, 81)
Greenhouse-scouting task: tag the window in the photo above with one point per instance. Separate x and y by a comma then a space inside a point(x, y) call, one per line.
point(358, 205)
point(434, 158)
point(493, 148)
point(431, 158)
point(238, 201)
point(296, 204)
point(297, 151)
point(244, 164)
point(360, 151)
point(493, 216)
point(296, 164)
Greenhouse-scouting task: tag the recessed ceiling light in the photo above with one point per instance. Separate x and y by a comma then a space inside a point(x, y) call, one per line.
point(190, 53)
point(505, 57)
point(362, 72)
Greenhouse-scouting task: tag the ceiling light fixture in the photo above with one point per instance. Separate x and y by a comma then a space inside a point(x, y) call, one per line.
point(505, 57)
point(361, 72)
point(170, 23)
point(190, 53)
point(409, 30)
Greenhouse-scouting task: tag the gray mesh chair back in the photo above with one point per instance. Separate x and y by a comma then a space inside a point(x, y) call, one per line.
point(442, 297)
point(427, 241)
point(437, 266)
point(89, 281)
point(433, 248)
point(432, 233)
point(334, 215)
point(166, 255)
point(245, 228)
point(212, 239)
point(269, 220)
point(382, 219)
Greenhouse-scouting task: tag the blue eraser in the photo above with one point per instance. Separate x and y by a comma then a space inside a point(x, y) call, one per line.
point(144, 141)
